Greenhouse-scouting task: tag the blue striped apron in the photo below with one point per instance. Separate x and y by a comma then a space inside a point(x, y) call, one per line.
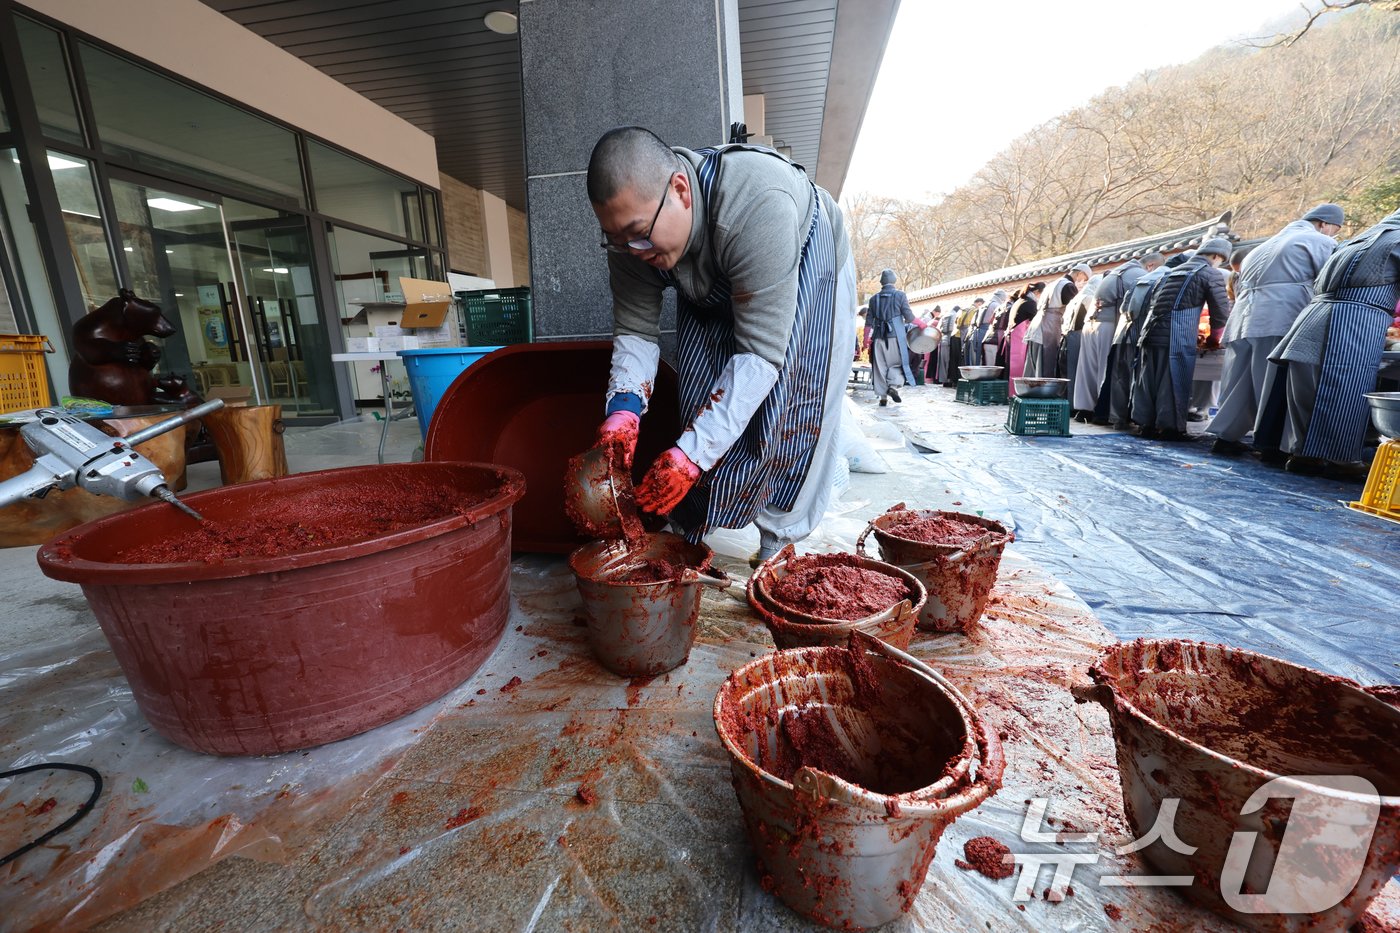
point(1182, 365)
point(1356, 327)
point(768, 464)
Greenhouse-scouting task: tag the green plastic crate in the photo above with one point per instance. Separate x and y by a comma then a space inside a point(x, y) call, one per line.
point(1040, 417)
point(981, 391)
point(498, 317)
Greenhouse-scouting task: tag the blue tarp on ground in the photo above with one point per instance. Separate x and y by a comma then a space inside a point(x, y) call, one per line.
point(1167, 540)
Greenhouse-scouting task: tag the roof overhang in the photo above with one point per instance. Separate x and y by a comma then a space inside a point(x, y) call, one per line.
point(436, 65)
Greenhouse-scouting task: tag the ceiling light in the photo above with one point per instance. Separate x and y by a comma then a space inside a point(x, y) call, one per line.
point(278, 271)
point(170, 204)
point(501, 22)
point(127, 248)
point(179, 294)
point(55, 162)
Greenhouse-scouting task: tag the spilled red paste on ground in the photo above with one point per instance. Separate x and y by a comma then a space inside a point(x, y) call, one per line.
point(464, 816)
point(586, 795)
point(1113, 911)
point(511, 685)
point(936, 529)
point(836, 586)
point(333, 518)
point(984, 855)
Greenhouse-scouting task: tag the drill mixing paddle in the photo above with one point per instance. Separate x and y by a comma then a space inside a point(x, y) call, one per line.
point(70, 452)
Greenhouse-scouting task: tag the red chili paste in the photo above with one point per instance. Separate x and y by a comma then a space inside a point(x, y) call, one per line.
point(330, 519)
point(652, 570)
point(984, 855)
point(936, 529)
point(836, 586)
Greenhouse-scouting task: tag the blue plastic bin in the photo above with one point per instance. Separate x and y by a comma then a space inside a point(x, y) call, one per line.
point(431, 371)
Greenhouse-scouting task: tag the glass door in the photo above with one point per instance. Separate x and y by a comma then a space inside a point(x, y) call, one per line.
point(236, 279)
point(272, 250)
point(177, 254)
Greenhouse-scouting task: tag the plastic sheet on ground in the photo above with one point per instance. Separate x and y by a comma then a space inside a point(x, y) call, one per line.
point(1168, 540)
point(573, 799)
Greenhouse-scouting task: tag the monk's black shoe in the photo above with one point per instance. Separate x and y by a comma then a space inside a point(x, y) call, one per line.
point(1228, 448)
point(894, 394)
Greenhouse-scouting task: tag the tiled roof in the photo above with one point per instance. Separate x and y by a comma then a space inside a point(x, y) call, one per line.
point(1170, 241)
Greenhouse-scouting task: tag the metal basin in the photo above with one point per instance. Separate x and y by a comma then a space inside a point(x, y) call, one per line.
point(1211, 727)
point(642, 629)
point(598, 495)
point(1385, 412)
point(848, 842)
point(975, 373)
point(793, 629)
point(1038, 387)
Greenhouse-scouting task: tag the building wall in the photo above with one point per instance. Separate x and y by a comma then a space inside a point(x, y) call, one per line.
point(465, 225)
point(519, 246)
point(207, 48)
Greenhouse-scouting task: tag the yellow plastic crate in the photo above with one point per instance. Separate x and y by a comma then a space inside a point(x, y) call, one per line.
point(24, 382)
point(1382, 493)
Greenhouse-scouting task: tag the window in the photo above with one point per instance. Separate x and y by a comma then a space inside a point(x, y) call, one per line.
point(349, 189)
point(430, 209)
point(82, 220)
point(48, 79)
point(23, 241)
point(161, 125)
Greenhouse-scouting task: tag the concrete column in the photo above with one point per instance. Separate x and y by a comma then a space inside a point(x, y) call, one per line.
point(671, 66)
point(497, 224)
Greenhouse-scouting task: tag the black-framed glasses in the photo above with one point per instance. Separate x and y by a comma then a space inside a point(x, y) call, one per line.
point(642, 243)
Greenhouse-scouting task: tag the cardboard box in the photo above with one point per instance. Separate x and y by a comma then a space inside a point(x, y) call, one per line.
point(425, 303)
point(444, 336)
point(361, 344)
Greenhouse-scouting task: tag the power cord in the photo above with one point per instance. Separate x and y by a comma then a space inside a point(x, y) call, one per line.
point(82, 811)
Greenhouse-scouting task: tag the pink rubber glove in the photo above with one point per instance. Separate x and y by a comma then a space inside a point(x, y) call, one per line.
point(620, 429)
point(667, 482)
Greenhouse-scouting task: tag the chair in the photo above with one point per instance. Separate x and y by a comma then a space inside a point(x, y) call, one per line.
point(279, 374)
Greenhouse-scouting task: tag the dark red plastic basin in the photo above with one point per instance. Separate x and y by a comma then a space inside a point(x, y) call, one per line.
point(255, 656)
point(533, 406)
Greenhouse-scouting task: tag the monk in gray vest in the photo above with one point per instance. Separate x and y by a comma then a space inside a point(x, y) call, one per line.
point(765, 329)
point(1275, 283)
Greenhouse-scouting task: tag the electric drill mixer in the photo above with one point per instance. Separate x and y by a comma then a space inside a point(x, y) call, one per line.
point(70, 452)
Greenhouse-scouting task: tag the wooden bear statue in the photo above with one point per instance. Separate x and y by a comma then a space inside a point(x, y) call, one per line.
point(111, 361)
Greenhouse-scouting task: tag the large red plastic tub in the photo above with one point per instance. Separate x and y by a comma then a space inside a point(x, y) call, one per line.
point(254, 656)
point(533, 406)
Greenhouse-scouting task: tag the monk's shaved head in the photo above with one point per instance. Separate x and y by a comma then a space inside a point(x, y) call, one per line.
point(628, 157)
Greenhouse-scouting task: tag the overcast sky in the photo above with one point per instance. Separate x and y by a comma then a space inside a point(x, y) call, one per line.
point(959, 81)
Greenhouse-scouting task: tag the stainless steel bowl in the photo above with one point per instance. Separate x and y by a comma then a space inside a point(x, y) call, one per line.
point(1385, 412)
point(1038, 387)
point(974, 373)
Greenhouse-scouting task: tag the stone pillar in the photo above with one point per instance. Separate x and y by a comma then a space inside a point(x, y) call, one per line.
point(671, 66)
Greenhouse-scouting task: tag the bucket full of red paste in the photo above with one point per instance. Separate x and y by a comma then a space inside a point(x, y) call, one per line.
point(819, 599)
point(956, 556)
point(302, 609)
point(849, 763)
point(642, 604)
point(1210, 726)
